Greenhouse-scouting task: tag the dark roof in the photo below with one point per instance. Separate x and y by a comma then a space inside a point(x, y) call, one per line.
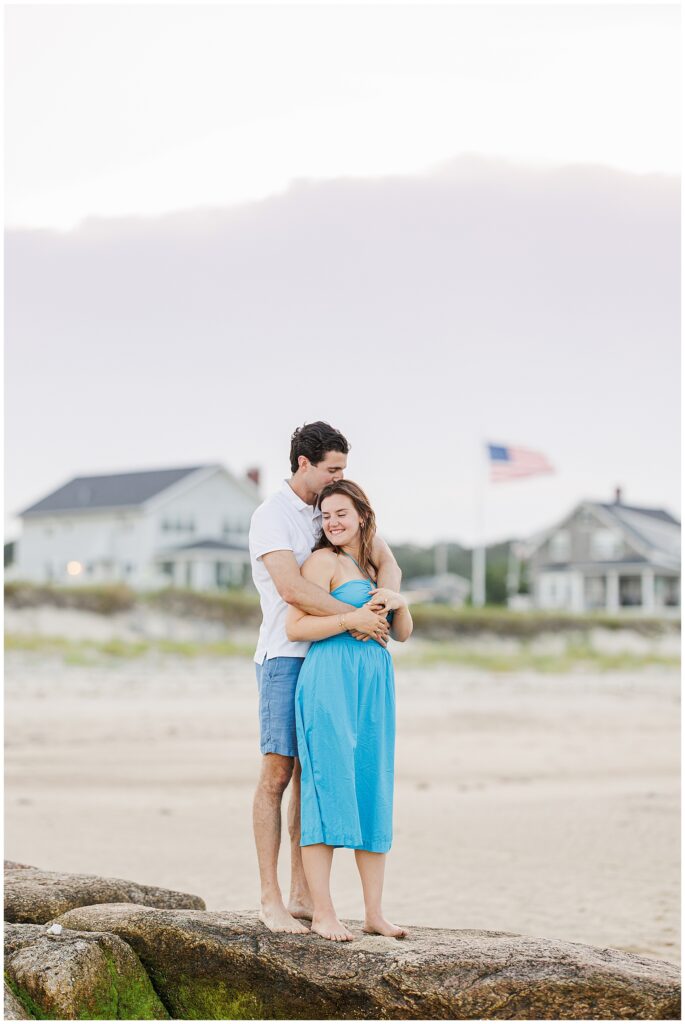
point(110, 491)
point(659, 533)
point(656, 513)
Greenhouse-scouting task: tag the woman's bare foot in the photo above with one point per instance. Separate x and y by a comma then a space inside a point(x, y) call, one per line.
point(301, 909)
point(329, 927)
point(277, 919)
point(379, 926)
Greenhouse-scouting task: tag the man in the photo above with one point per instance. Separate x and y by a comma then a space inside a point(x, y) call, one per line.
point(283, 532)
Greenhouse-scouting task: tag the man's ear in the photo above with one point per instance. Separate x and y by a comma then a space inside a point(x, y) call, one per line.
point(303, 462)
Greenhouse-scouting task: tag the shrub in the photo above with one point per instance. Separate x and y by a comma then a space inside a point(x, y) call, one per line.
point(233, 607)
point(442, 622)
point(105, 599)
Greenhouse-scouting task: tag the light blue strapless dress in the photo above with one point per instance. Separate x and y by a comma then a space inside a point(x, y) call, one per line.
point(345, 714)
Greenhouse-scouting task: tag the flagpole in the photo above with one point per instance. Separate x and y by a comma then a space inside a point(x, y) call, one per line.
point(502, 462)
point(478, 554)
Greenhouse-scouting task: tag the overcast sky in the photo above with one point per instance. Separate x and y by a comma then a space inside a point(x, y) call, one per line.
point(148, 108)
point(354, 265)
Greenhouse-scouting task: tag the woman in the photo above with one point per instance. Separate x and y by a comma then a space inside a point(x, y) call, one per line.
point(345, 713)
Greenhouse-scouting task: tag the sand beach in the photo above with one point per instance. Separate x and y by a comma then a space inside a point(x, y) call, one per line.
point(527, 802)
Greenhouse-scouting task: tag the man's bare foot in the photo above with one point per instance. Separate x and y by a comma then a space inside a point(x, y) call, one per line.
point(329, 927)
point(300, 908)
point(379, 926)
point(277, 919)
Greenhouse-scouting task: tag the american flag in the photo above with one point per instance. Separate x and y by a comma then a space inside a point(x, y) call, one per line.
point(508, 462)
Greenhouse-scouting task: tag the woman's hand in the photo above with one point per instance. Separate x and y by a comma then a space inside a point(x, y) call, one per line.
point(385, 600)
point(364, 620)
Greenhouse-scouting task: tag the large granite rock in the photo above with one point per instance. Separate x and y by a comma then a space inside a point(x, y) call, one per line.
point(221, 965)
point(89, 975)
point(33, 896)
point(14, 1009)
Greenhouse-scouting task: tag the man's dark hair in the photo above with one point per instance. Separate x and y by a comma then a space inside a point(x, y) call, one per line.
point(314, 440)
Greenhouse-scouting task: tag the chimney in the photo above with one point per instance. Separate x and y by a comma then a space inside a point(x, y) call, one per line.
point(617, 496)
point(253, 475)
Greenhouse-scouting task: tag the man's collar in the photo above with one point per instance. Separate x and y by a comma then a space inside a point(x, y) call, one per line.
point(297, 500)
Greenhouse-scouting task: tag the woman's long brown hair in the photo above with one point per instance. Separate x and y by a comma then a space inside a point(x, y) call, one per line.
point(367, 531)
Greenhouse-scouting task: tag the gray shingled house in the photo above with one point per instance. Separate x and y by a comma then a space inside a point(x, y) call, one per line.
point(187, 527)
point(607, 556)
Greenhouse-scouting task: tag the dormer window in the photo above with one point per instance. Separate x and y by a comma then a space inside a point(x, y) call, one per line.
point(605, 544)
point(585, 519)
point(560, 546)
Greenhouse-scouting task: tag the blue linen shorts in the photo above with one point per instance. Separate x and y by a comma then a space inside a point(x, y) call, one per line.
point(277, 680)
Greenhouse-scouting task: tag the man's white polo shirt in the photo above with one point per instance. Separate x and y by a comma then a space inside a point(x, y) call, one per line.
point(281, 523)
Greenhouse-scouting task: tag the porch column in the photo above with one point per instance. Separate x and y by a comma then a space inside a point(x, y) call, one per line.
point(577, 595)
point(648, 591)
point(612, 591)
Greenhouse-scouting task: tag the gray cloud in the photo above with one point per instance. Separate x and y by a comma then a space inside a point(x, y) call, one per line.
point(416, 313)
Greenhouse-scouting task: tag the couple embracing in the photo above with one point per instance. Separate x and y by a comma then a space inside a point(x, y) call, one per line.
point(329, 592)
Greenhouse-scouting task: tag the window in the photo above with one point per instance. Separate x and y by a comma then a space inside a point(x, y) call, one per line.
point(595, 593)
point(560, 546)
point(630, 591)
point(604, 544)
point(228, 574)
point(234, 526)
point(667, 591)
point(178, 525)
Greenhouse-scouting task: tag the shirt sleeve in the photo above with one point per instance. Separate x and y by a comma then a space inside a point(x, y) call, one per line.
point(269, 532)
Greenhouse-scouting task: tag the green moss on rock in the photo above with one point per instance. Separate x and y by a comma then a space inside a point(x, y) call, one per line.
point(192, 998)
point(123, 996)
point(25, 999)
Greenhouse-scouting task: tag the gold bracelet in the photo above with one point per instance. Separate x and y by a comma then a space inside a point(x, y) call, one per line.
point(341, 623)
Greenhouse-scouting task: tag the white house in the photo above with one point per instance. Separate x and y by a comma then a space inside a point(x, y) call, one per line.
point(606, 556)
point(185, 527)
